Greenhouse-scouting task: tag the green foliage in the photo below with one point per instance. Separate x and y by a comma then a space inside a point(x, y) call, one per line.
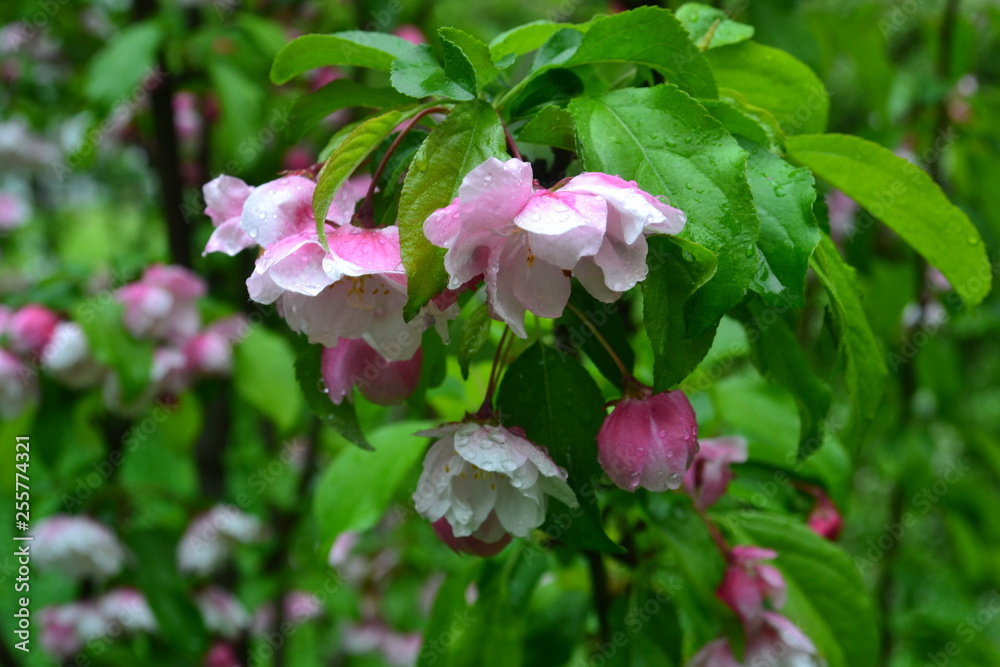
point(264, 376)
point(341, 418)
point(123, 64)
point(354, 48)
point(710, 28)
point(129, 359)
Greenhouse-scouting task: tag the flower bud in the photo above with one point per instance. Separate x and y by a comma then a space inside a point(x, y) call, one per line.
point(649, 441)
point(469, 545)
point(825, 519)
point(30, 329)
point(709, 475)
point(748, 583)
point(355, 363)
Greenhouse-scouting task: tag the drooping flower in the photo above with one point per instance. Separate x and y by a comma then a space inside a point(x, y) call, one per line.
point(222, 613)
point(163, 303)
point(224, 200)
point(749, 582)
point(487, 481)
point(710, 474)
point(649, 441)
point(78, 547)
point(355, 363)
point(30, 329)
point(472, 545)
point(524, 239)
point(209, 539)
point(777, 643)
point(825, 519)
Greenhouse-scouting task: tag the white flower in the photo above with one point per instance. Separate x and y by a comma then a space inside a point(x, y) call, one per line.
point(78, 546)
point(128, 607)
point(487, 481)
point(222, 613)
point(209, 539)
point(67, 356)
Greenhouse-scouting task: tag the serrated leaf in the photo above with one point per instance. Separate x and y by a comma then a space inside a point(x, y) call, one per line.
point(710, 27)
point(341, 418)
point(470, 135)
point(560, 407)
point(355, 490)
point(774, 80)
point(551, 126)
point(475, 332)
point(347, 157)
point(865, 367)
point(355, 48)
point(904, 197)
point(677, 269)
point(421, 75)
point(783, 197)
point(672, 147)
point(342, 94)
point(476, 51)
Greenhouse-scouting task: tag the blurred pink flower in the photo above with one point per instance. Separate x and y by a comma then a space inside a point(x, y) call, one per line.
point(222, 613)
point(410, 33)
point(824, 519)
point(77, 546)
point(748, 583)
point(209, 539)
point(710, 473)
point(30, 328)
point(67, 357)
point(14, 211)
point(163, 303)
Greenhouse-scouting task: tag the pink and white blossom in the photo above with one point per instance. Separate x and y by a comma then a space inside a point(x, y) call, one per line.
point(30, 328)
point(710, 473)
point(14, 211)
point(163, 303)
point(67, 357)
point(649, 441)
point(18, 385)
point(61, 635)
point(525, 240)
point(77, 546)
point(776, 643)
point(487, 481)
point(224, 200)
point(221, 611)
point(355, 363)
point(749, 583)
point(127, 607)
point(299, 607)
point(209, 539)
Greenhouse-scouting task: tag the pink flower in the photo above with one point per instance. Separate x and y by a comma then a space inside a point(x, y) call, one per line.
point(524, 240)
point(222, 654)
point(14, 211)
point(67, 357)
point(777, 643)
point(187, 119)
point(355, 363)
point(299, 607)
point(825, 519)
point(128, 608)
point(470, 545)
point(649, 441)
point(397, 649)
point(342, 547)
point(222, 612)
point(78, 547)
point(710, 474)
point(30, 329)
point(410, 33)
point(211, 351)
point(209, 539)
point(487, 481)
point(18, 386)
point(224, 200)
point(748, 583)
point(60, 634)
point(163, 304)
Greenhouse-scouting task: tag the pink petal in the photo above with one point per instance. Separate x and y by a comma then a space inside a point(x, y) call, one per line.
point(224, 198)
point(564, 226)
point(278, 209)
point(228, 238)
point(624, 266)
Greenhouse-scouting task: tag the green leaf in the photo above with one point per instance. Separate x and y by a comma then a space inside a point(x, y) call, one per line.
point(826, 597)
point(652, 37)
point(560, 407)
point(783, 196)
point(355, 490)
point(677, 268)
point(342, 94)
point(905, 198)
point(496, 636)
point(421, 75)
point(341, 418)
point(779, 355)
point(241, 102)
point(118, 69)
point(528, 37)
point(607, 319)
point(551, 126)
point(475, 332)
point(113, 346)
point(475, 50)
point(264, 376)
point(865, 368)
point(450, 617)
point(668, 143)
point(348, 156)
point(746, 120)
point(552, 86)
point(702, 21)
point(355, 48)
point(470, 135)
point(774, 80)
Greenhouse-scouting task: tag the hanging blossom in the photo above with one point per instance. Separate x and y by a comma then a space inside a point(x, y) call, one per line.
point(78, 547)
point(526, 241)
point(710, 473)
point(487, 483)
point(356, 290)
point(755, 590)
point(355, 363)
point(648, 440)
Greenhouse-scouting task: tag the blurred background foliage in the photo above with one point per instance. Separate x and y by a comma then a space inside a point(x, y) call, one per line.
point(109, 166)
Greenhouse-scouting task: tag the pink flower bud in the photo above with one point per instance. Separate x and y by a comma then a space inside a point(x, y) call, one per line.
point(355, 363)
point(748, 583)
point(222, 654)
point(209, 353)
point(649, 441)
point(709, 475)
point(410, 33)
point(30, 329)
point(825, 520)
point(469, 545)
